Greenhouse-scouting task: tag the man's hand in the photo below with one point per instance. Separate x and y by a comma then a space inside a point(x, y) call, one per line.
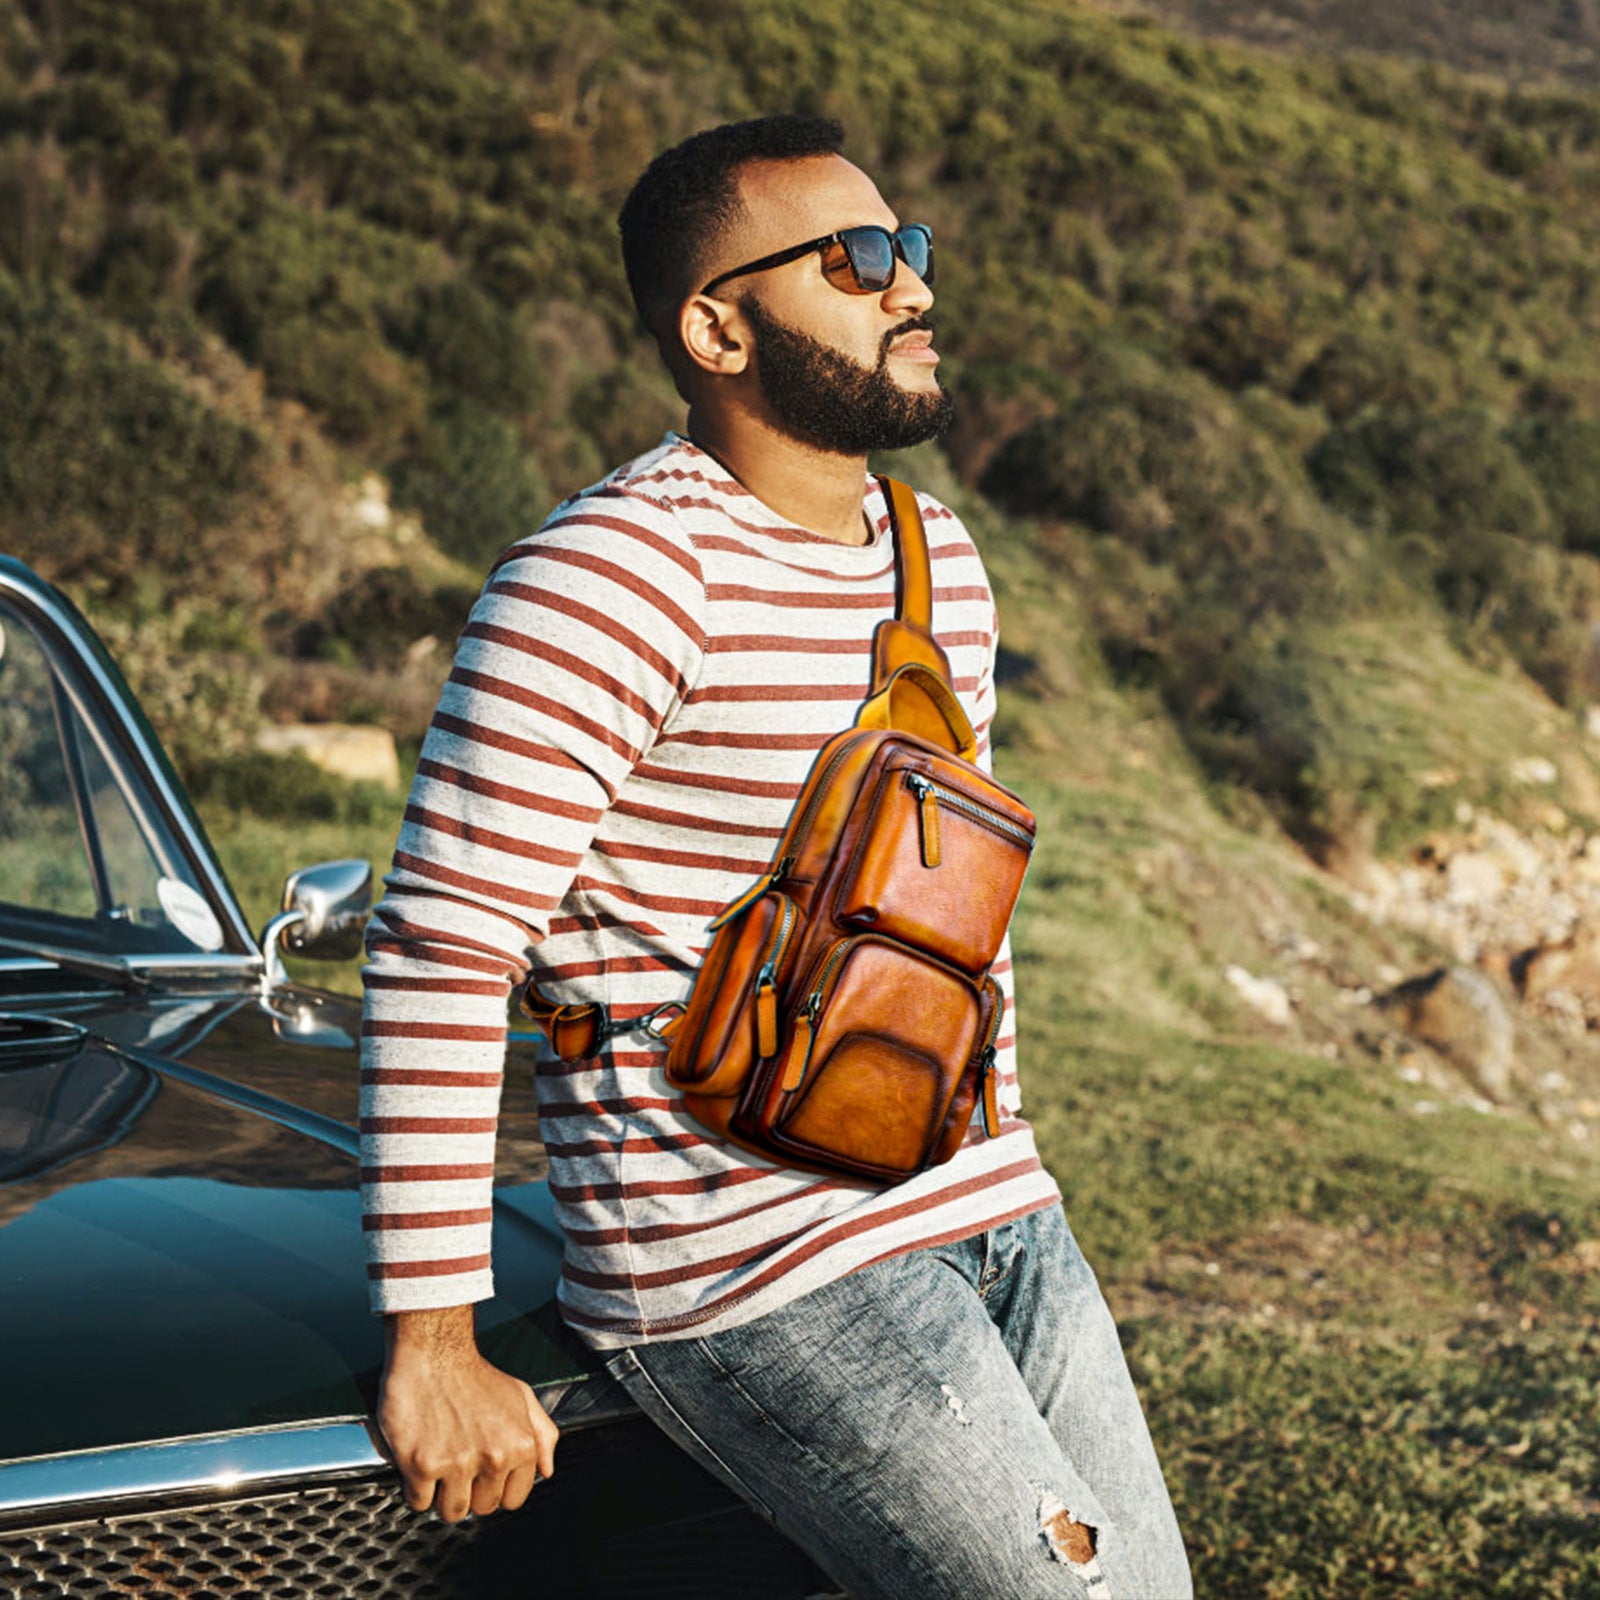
point(465, 1436)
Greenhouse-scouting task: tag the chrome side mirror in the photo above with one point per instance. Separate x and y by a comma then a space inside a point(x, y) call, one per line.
point(325, 912)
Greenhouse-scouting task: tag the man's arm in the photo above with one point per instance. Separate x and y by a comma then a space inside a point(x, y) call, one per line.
point(581, 646)
point(465, 1436)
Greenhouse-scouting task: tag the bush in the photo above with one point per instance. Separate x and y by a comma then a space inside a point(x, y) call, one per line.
point(383, 612)
point(1361, 366)
point(1446, 476)
point(474, 482)
point(1466, 515)
point(1170, 468)
point(364, 392)
point(109, 469)
point(1239, 340)
point(288, 788)
point(472, 347)
point(1563, 454)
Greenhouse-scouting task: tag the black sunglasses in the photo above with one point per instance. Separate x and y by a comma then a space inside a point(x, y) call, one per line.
point(857, 260)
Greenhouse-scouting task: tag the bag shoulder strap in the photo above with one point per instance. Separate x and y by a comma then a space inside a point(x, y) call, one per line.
point(908, 635)
point(911, 687)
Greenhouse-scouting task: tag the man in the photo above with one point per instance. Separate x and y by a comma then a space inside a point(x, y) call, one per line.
point(921, 1383)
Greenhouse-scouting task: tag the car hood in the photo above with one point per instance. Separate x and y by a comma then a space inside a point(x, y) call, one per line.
point(180, 1245)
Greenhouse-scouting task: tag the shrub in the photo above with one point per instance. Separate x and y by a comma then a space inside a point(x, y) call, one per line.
point(288, 788)
point(1239, 340)
point(109, 469)
point(474, 481)
point(1445, 476)
point(1361, 366)
point(384, 611)
point(471, 346)
point(1563, 454)
point(363, 391)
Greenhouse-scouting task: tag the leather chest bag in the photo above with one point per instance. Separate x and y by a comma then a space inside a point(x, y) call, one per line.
point(845, 1016)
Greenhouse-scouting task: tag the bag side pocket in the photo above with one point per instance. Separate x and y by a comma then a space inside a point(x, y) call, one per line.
point(721, 1035)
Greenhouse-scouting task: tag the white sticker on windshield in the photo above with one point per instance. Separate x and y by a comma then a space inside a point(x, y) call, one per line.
point(188, 912)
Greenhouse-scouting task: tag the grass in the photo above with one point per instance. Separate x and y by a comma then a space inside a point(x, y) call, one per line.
point(1365, 1334)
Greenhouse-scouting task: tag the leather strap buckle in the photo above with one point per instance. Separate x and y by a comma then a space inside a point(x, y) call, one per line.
point(658, 1030)
point(650, 1023)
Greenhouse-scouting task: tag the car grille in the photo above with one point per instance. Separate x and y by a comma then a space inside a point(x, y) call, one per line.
point(626, 1517)
point(356, 1541)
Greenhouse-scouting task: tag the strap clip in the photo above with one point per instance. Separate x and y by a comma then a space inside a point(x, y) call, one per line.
point(650, 1023)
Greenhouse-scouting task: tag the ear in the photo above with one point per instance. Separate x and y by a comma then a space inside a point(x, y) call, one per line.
point(714, 335)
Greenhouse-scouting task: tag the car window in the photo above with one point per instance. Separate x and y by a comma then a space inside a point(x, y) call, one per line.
point(85, 857)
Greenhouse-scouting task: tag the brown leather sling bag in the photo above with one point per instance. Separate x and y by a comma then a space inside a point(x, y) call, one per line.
point(845, 1016)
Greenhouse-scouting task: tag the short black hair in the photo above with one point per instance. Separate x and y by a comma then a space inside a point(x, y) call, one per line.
point(690, 193)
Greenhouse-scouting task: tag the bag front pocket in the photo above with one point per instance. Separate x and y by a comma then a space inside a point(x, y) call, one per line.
point(877, 1053)
point(939, 864)
point(727, 1028)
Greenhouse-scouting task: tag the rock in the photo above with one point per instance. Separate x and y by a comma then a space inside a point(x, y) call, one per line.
point(371, 503)
point(1266, 996)
point(1460, 1013)
point(1475, 878)
point(1534, 769)
point(1586, 863)
point(347, 749)
point(1572, 964)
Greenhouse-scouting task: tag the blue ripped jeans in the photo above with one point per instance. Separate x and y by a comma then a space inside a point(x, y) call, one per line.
point(957, 1422)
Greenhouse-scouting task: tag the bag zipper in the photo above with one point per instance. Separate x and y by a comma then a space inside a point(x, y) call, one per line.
point(806, 817)
point(805, 1022)
point(931, 795)
point(767, 987)
point(785, 863)
point(986, 1071)
point(798, 1059)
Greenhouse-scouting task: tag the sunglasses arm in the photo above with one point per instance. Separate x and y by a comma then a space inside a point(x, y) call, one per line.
point(779, 258)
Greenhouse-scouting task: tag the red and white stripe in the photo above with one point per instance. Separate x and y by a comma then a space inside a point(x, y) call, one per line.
point(634, 705)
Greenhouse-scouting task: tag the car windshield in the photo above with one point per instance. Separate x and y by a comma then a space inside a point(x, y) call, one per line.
point(87, 859)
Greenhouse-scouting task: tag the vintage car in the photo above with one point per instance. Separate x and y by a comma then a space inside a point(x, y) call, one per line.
point(187, 1360)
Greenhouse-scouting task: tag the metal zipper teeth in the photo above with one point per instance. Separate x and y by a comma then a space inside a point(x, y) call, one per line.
point(814, 998)
point(810, 811)
point(768, 974)
point(979, 813)
point(995, 1024)
point(819, 982)
point(785, 928)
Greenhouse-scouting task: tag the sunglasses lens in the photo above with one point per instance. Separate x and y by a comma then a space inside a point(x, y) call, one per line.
point(871, 253)
point(916, 248)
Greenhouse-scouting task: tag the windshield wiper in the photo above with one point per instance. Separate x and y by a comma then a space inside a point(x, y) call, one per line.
point(116, 968)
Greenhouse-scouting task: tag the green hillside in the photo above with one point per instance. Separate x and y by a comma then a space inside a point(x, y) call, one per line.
point(1280, 429)
point(1518, 40)
point(1266, 345)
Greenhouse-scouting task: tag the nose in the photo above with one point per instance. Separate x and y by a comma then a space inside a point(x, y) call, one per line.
point(908, 293)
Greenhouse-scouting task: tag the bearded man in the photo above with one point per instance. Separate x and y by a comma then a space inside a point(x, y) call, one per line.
point(919, 1383)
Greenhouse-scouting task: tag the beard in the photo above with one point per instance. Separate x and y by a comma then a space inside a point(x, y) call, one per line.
point(829, 401)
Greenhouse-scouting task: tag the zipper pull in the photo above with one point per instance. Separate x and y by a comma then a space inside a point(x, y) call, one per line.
point(991, 1100)
point(928, 812)
point(767, 1012)
point(805, 1033)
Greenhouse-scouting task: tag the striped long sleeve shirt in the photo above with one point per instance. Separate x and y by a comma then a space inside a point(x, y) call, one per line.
point(634, 705)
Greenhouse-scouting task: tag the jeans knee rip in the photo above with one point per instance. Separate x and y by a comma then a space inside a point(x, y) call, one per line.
point(1075, 1543)
point(956, 1405)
